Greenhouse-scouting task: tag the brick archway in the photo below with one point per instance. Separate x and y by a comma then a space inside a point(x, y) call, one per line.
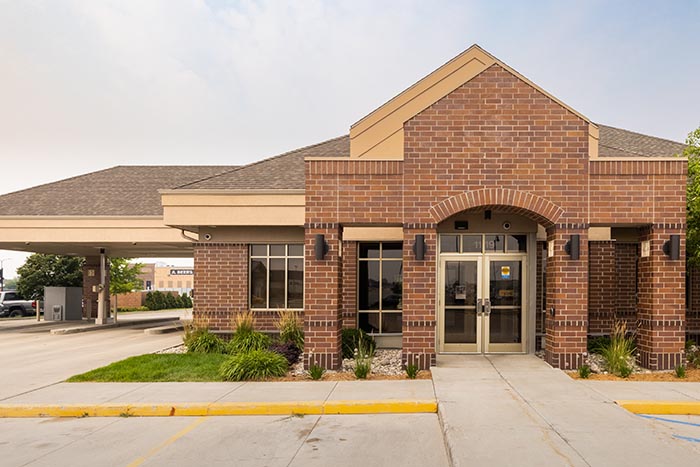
point(542, 211)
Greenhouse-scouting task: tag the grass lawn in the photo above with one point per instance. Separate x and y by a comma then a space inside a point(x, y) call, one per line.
point(157, 368)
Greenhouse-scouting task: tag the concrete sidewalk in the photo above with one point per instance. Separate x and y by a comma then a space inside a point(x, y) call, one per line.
point(516, 410)
point(249, 398)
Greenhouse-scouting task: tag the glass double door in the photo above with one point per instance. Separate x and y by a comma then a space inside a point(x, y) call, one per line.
point(481, 303)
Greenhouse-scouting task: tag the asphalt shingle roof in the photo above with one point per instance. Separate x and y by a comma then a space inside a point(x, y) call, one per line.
point(283, 172)
point(118, 191)
point(615, 142)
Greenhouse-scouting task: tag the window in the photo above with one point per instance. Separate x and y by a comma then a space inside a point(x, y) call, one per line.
point(277, 276)
point(453, 243)
point(380, 287)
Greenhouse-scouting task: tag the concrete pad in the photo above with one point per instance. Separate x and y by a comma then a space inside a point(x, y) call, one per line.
point(77, 393)
point(383, 390)
point(634, 390)
point(381, 440)
point(280, 392)
point(176, 392)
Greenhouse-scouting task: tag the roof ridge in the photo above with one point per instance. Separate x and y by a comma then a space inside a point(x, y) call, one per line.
point(640, 134)
point(241, 167)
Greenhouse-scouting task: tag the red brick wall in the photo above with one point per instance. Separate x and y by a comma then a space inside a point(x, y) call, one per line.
point(220, 283)
point(626, 257)
point(602, 278)
point(90, 297)
point(540, 295)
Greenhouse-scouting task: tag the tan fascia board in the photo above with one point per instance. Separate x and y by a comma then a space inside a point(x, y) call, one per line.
point(196, 208)
point(86, 230)
point(380, 133)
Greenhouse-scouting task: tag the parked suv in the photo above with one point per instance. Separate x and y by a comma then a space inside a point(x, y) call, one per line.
point(12, 305)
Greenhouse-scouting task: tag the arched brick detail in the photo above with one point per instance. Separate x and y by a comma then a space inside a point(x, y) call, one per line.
point(510, 201)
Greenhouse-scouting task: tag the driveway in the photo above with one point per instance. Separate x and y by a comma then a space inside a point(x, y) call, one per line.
point(33, 358)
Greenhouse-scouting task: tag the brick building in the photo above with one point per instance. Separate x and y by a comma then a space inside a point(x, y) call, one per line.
point(474, 212)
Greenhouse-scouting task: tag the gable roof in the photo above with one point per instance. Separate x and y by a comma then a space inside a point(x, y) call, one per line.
point(118, 191)
point(282, 172)
point(616, 142)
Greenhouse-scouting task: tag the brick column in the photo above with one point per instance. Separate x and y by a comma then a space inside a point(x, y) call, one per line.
point(91, 277)
point(661, 309)
point(322, 299)
point(602, 280)
point(419, 291)
point(220, 283)
point(567, 295)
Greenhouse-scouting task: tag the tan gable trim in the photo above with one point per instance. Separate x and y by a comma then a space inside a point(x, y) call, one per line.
point(373, 234)
point(379, 135)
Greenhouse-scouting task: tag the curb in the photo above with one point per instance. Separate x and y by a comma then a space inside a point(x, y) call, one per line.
point(100, 327)
point(197, 409)
point(650, 407)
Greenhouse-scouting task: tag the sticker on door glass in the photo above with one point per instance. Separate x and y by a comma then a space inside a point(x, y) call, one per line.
point(505, 272)
point(460, 292)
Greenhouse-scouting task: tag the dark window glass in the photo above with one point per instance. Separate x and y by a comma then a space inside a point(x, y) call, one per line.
point(277, 283)
point(258, 283)
point(369, 250)
point(258, 250)
point(296, 250)
point(449, 243)
point(278, 250)
point(391, 323)
point(392, 283)
point(471, 243)
point(369, 322)
point(295, 283)
point(11, 296)
point(392, 250)
point(369, 285)
point(516, 243)
point(494, 243)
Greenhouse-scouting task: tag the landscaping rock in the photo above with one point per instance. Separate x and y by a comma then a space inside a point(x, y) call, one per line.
point(174, 349)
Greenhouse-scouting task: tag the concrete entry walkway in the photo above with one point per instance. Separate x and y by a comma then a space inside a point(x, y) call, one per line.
point(517, 410)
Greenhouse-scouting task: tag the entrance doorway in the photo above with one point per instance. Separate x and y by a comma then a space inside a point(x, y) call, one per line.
point(482, 302)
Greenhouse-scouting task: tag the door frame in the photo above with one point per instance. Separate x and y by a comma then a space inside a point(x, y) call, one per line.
point(527, 261)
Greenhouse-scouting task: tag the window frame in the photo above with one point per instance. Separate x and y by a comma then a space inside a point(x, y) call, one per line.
point(286, 257)
point(380, 259)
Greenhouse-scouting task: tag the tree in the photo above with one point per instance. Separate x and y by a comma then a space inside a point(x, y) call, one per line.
point(123, 278)
point(42, 270)
point(692, 152)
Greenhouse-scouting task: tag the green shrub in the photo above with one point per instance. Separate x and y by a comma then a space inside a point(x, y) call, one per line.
point(363, 360)
point(242, 342)
point(353, 338)
point(411, 371)
point(202, 340)
point(625, 371)
point(618, 352)
point(186, 301)
point(584, 371)
point(680, 371)
point(291, 328)
point(257, 364)
point(170, 301)
point(316, 372)
point(133, 308)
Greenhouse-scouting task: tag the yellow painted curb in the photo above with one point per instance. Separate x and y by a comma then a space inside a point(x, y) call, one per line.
point(218, 409)
point(660, 407)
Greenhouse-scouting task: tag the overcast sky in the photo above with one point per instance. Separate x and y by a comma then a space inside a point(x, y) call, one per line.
point(86, 85)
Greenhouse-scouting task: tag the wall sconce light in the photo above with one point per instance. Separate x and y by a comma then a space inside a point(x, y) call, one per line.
point(320, 247)
point(419, 247)
point(572, 247)
point(672, 247)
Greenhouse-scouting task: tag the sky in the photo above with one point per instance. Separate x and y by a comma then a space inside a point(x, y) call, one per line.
point(90, 84)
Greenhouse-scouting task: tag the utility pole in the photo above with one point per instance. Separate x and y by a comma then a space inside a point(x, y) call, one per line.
point(2, 275)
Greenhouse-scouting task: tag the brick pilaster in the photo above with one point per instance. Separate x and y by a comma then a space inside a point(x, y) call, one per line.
point(567, 295)
point(661, 313)
point(322, 299)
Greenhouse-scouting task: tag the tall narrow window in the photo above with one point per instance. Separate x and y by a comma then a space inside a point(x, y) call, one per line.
point(277, 276)
point(380, 287)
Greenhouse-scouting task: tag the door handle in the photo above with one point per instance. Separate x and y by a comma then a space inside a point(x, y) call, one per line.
point(479, 306)
point(487, 306)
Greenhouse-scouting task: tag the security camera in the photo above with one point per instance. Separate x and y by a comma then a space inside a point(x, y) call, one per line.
point(506, 225)
point(207, 237)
